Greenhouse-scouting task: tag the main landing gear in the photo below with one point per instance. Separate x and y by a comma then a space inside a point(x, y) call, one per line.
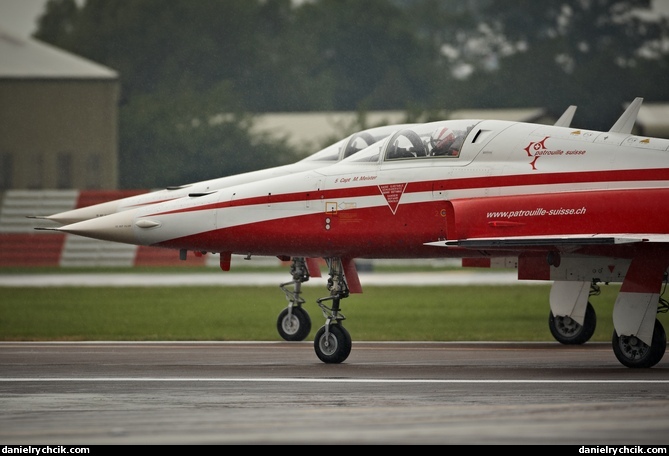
point(332, 342)
point(629, 350)
point(632, 352)
point(568, 331)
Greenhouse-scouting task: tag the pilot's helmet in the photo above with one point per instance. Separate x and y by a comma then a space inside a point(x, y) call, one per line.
point(442, 138)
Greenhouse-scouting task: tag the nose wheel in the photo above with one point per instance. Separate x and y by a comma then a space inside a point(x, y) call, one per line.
point(294, 323)
point(333, 342)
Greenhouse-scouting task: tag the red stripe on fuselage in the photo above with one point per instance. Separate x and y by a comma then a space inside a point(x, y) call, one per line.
point(360, 232)
point(483, 182)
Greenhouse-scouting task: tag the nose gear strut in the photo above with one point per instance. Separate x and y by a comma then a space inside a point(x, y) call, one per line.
point(294, 323)
point(333, 342)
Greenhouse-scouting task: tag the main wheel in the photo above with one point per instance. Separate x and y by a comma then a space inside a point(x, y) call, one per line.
point(294, 325)
point(568, 332)
point(632, 352)
point(333, 347)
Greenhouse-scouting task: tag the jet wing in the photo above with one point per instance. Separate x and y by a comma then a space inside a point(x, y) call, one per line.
point(519, 242)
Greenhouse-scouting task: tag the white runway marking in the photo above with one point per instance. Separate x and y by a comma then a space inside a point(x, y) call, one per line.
point(317, 380)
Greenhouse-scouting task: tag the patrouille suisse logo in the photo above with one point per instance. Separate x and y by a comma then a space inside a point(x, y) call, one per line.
point(536, 149)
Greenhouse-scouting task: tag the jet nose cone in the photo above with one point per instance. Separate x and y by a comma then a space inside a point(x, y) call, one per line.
point(84, 213)
point(119, 227)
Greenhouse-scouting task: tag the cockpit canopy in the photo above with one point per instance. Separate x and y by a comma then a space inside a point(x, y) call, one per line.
point(443, 139)
point(355, 143)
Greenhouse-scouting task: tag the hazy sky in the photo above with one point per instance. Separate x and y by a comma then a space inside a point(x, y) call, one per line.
point(20, 16)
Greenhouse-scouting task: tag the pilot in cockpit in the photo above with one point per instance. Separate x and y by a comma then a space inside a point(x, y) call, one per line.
point(445, 142)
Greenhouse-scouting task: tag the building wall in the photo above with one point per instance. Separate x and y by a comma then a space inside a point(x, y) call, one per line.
point(58, 134)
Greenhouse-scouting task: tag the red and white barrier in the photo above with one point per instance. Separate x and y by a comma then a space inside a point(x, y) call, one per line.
point(23, 246)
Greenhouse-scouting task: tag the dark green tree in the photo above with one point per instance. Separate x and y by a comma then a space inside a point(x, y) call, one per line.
point(158, 45)
point(556, 52)
point(175, 139)
point(366, 54)
point(57, 23)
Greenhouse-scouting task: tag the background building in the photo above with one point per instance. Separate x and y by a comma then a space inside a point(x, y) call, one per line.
point(58, 118)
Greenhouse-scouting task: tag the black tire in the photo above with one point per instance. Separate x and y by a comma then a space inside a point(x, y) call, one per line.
point(632, 352)
point(294, 327)
point(334, 348)
point(569, 332)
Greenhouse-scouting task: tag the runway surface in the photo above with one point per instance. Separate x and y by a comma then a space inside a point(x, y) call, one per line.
point(279, 393)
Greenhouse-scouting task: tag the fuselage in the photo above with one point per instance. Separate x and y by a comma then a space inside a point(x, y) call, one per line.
point(507, 179)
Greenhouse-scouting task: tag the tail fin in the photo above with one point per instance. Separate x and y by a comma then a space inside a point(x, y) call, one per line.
point(566, 117)
point(626, 122)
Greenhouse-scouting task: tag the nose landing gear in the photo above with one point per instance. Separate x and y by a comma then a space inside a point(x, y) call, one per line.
point(294, 323)
point(333, 342)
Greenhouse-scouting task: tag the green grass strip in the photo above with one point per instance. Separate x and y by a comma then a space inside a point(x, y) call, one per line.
point(397, 313)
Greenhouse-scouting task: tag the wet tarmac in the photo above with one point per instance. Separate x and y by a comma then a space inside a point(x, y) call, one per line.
point(256, 393)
